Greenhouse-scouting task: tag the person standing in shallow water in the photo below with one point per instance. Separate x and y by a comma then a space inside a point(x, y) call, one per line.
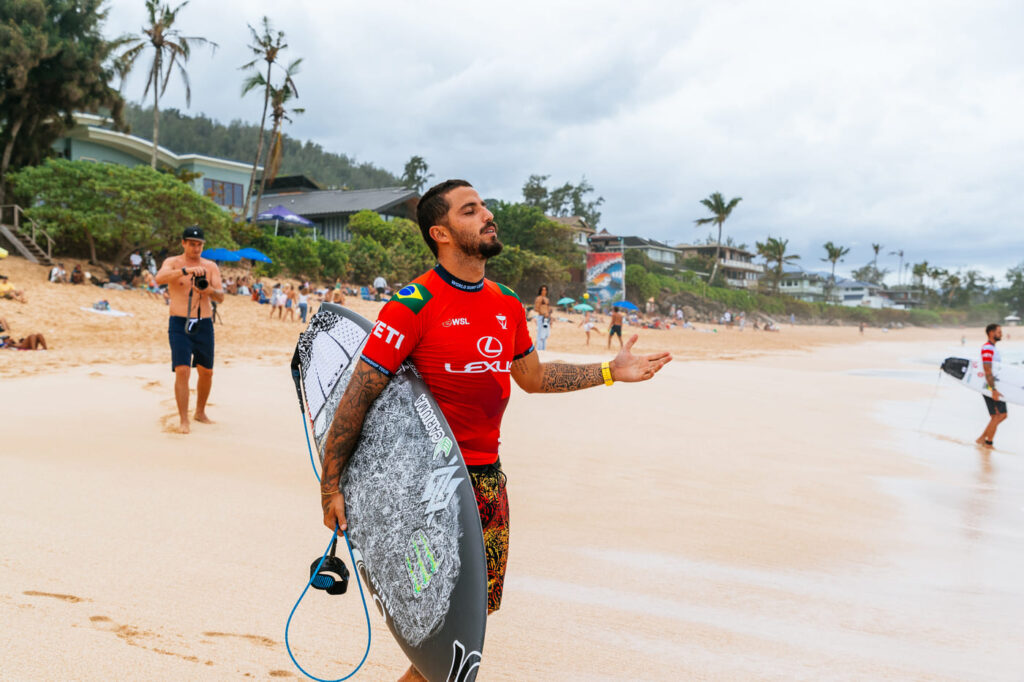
point(996, 405)
point(190, 328)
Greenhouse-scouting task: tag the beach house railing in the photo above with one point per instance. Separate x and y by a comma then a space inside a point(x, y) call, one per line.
point(25, 234)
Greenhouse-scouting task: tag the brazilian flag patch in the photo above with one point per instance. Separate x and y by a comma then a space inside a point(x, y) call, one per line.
point(508, 292)
point(413, 297)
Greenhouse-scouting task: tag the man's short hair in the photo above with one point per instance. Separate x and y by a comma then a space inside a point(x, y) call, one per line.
point(991, 328)
point(433, 209)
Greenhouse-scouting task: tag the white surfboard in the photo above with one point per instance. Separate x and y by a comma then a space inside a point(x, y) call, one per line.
point(971, 373)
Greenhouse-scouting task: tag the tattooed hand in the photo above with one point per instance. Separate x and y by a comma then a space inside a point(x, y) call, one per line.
point(629, 367)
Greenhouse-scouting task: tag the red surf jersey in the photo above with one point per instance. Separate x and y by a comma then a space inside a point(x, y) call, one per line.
point(462, 337)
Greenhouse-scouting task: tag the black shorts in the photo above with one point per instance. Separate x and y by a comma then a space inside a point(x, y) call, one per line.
point(995, 406)
point(615, 329)
point(191, 348)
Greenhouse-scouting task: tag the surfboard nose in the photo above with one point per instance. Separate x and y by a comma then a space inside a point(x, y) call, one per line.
point(955, 367)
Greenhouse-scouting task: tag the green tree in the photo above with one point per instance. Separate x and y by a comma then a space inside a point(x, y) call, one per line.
point(170, 49)
point(54, 61)
point(266, 46)
point(871, 274)
point(1013, 294)
point(720, 212)
point(876, 248)
point(566, 200)
point(529, 228)
point(278, 98)
point(833, 255)
point(773, 250)
point(415, 175)
point(640, 285)
point(108, 211)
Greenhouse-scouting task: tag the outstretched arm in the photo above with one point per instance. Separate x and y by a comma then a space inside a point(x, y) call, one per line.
point(557, 377)
point(363, 388)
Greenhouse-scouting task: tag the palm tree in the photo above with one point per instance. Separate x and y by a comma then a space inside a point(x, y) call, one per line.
point(720, 211)
point(170, 49)
point(279, 113)
point(265, 46)
point(774, 251)
point(876, 248)
point(834, 254)
point(899, 270)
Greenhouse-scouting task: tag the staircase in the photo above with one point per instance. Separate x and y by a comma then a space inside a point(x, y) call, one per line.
point(24, 234)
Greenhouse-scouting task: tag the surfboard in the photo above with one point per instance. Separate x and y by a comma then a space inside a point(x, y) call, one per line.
point(971, 374)
point(412, 514)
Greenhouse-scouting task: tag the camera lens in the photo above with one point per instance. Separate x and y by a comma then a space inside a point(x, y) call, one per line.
point(201, 282)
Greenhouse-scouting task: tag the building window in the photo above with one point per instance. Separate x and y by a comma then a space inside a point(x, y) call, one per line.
point(224, 193)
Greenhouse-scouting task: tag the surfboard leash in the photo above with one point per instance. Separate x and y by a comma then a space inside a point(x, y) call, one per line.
point(321, 579)
point(931, 401)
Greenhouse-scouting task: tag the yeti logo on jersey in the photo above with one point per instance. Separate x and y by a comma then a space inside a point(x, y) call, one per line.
point(393, 338)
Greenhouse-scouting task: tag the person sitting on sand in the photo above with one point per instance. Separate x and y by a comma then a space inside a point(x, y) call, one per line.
point(77, 276)
point(7, 290)
point(58, 275)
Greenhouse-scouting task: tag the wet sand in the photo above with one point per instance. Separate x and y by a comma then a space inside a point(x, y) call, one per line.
point(817, 512)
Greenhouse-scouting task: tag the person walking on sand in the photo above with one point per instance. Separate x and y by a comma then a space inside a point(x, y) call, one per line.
point(996, 405)
point(303, 303)
point(616, 326)
point(542, 306)
point(419, 319)
point(193, 283)
point(291, 302)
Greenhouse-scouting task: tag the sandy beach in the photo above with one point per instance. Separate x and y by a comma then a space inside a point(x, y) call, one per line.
point(814, 508)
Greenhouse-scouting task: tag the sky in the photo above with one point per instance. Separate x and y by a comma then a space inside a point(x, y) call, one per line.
point(897, 123)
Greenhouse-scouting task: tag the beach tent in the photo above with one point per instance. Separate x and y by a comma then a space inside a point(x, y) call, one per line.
point(280, 214)
point(253, 254)
point(223, 255)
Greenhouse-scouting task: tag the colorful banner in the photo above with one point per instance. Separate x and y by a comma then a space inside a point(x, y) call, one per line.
point(606, 277)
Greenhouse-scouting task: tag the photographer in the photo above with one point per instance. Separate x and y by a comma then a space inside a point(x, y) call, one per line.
point(193, 282)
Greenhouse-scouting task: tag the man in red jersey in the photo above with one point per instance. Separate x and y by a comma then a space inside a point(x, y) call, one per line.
point(996, 405)
point(467, 337)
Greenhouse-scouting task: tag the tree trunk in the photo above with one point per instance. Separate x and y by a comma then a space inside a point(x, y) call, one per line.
point(6, 160)
point(92, 248)
point(718, 247)
point(156, 120)
point(259, 147)
point(263, 180)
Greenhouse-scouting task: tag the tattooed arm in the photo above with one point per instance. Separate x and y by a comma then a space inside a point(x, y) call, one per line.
point(533, 376)
point(364, 387)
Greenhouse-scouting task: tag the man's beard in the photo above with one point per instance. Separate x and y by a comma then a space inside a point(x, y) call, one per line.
point(483, 249)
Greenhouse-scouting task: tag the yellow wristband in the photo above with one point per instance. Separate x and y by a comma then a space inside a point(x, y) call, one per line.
point(606, 372)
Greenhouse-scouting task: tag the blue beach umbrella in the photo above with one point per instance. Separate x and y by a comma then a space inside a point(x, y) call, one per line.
point(582, 307)
point(253, 254)
point(624, 305)
point(222, 255)
point(565, 301)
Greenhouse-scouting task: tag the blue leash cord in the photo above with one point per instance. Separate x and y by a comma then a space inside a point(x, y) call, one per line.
point(366, 611)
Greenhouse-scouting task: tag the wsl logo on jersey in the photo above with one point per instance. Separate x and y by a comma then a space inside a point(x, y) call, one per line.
point(413, 297)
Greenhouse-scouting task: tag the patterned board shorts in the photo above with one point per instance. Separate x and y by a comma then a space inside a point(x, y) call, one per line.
point(492, 500)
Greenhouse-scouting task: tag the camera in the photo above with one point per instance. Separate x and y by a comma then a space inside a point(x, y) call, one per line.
point(200, 282)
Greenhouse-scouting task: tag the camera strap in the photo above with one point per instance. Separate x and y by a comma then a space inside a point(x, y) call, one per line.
point(191, 322)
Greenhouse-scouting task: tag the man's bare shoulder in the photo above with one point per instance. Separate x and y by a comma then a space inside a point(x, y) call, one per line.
point(173, 261)
point(209, 264)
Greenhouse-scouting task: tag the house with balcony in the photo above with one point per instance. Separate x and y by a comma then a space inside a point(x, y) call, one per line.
point(657, 252)
point(737, 265)
point(852, 293)
point(581, 231)
point(93, 139)
point(805, 285)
